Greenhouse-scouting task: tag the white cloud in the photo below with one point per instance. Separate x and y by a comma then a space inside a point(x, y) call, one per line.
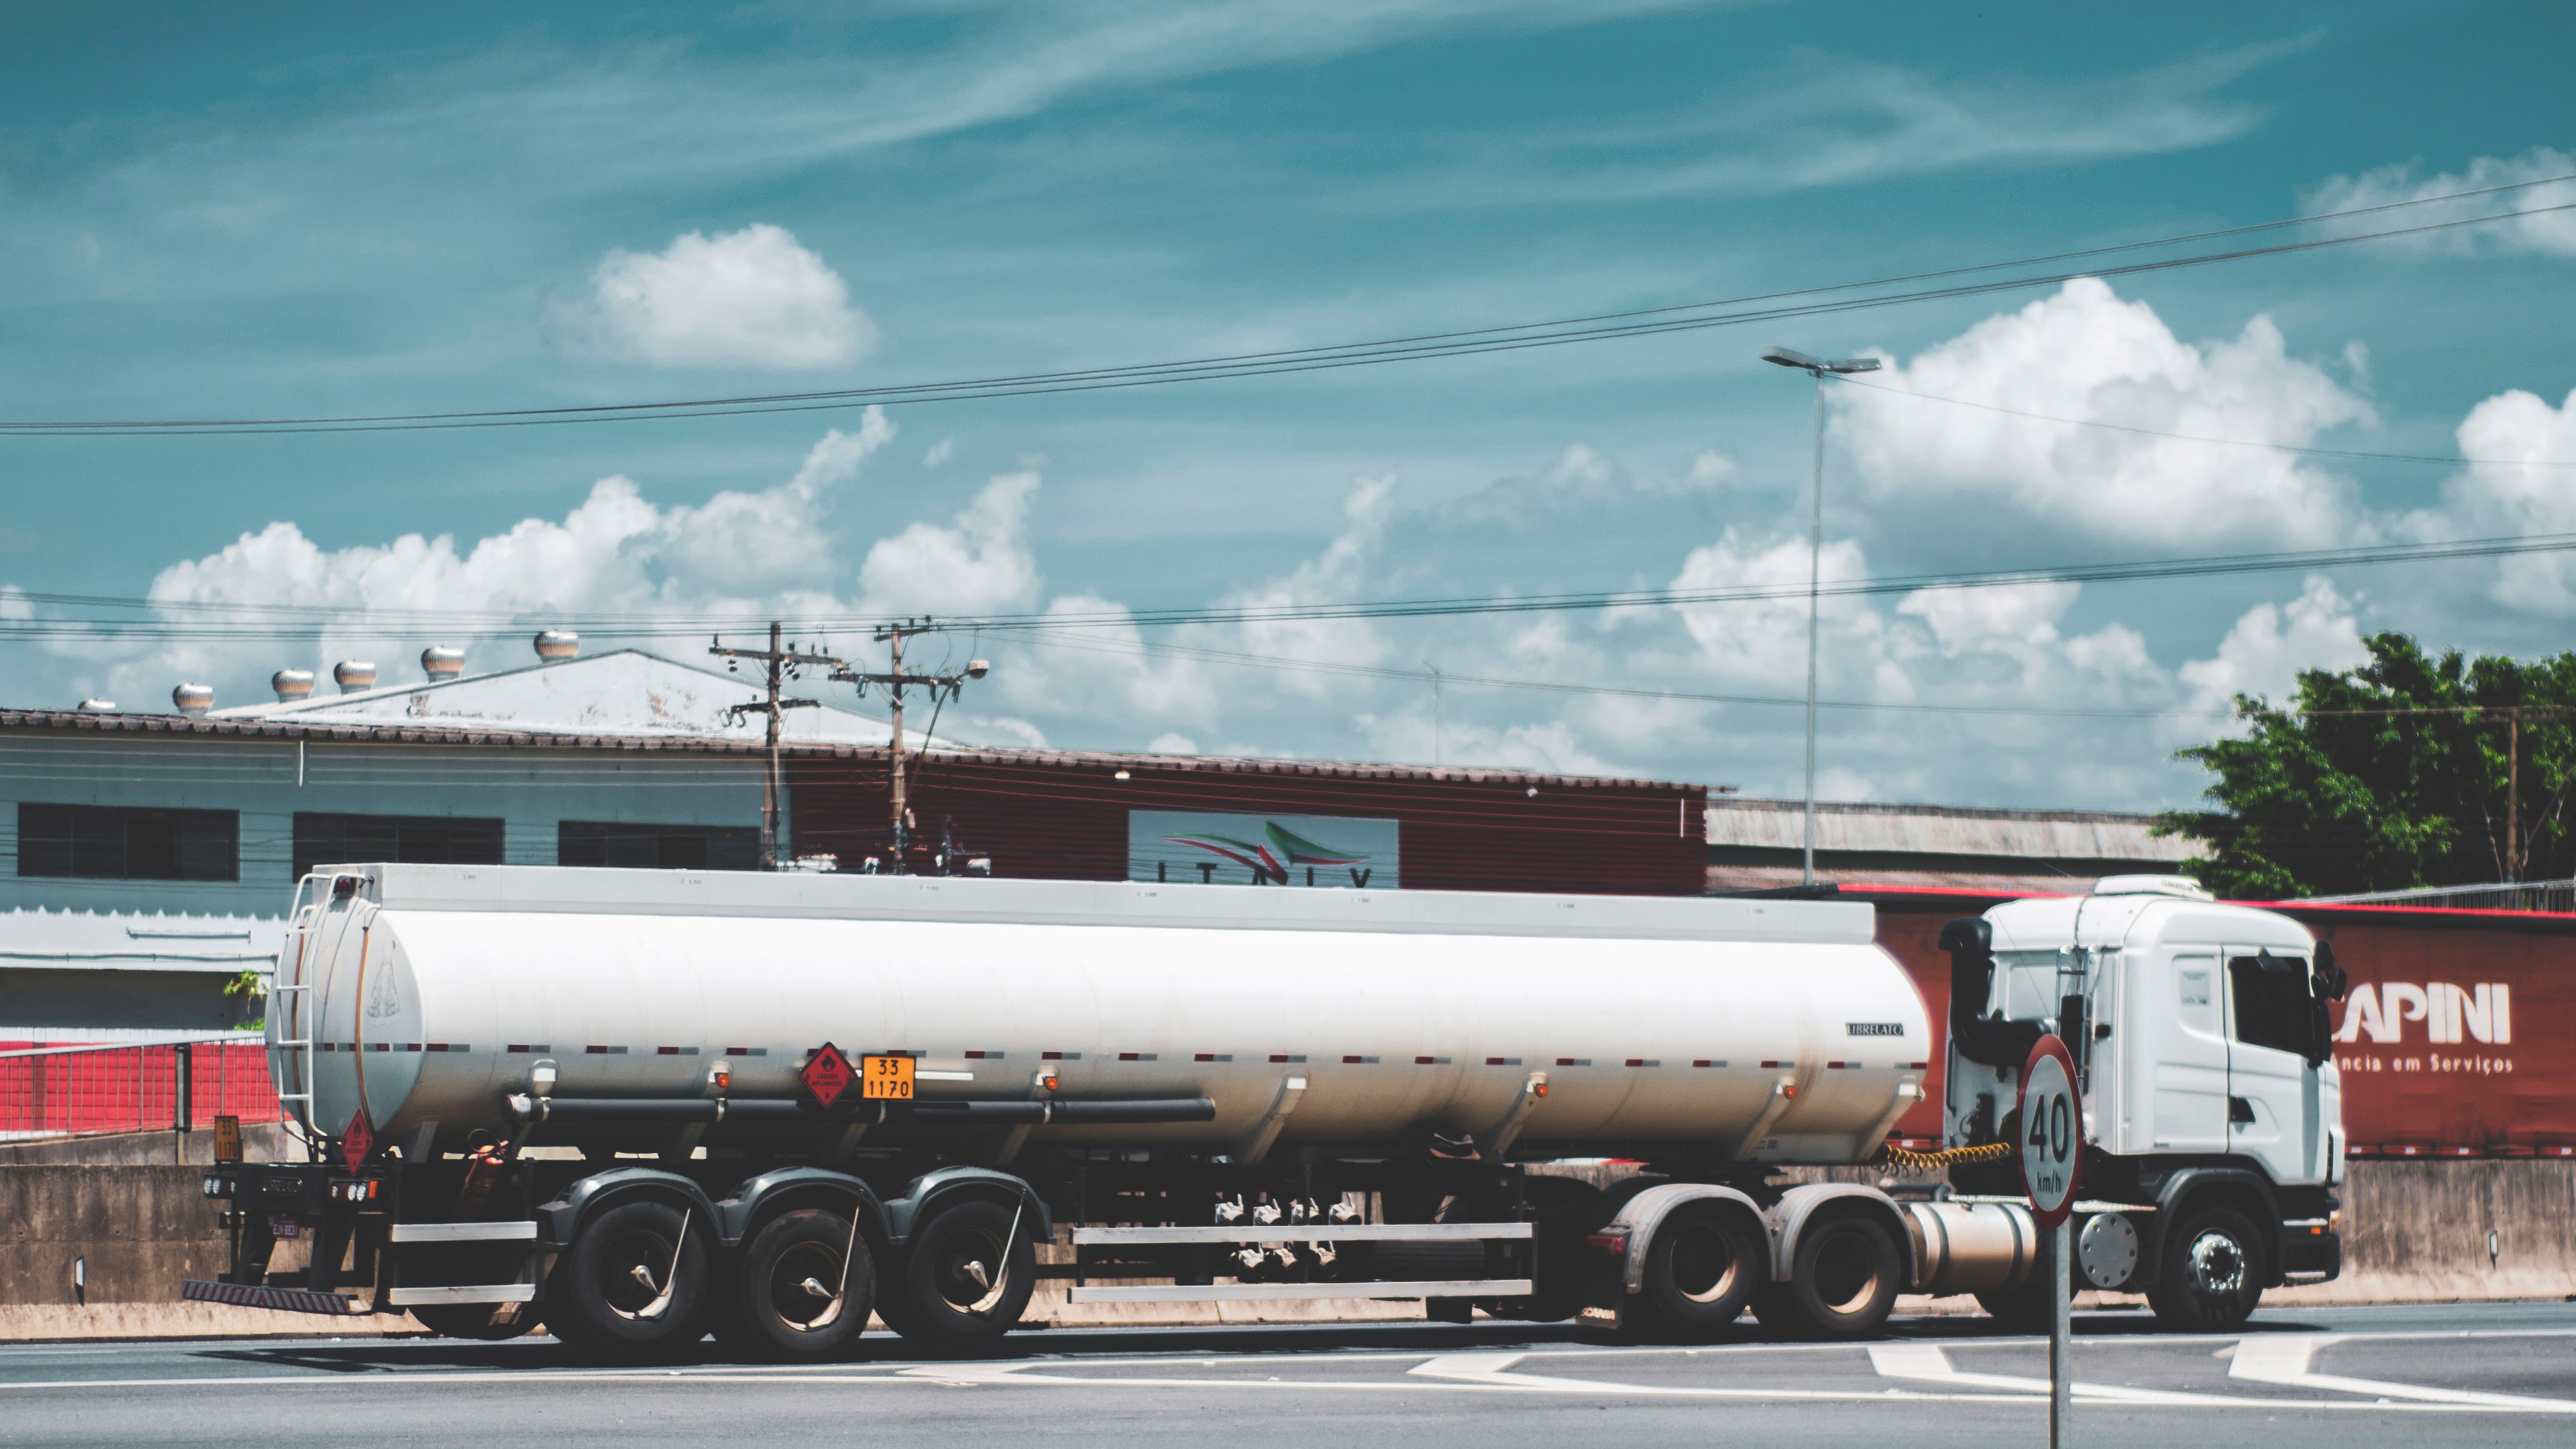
point(1333, 576)
point(2265, 650)
point(1765, 640)
point(940, 452)
point(1709, 469)
point(2533, 229)
point(2085, 354)
point(1095, 666)
point(2522, 485)
point(1168, 743)
point(750, 298)
point(1581, 478)
point(616, 552)
point(979, 564)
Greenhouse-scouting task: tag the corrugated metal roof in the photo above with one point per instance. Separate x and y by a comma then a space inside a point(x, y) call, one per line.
point(1944, 830)
point(1246, 765)
point(264, 729)
point(434, 734)
point(622, 692)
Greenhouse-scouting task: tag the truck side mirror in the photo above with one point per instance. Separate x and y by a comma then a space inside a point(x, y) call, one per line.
point(1970, 940)
point(2329, 981)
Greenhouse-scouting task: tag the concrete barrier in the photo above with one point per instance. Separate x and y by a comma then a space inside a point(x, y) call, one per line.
point(132, 1232)
point(2415, 1232)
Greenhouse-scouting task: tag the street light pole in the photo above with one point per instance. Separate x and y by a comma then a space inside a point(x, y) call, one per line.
point(1815, 564)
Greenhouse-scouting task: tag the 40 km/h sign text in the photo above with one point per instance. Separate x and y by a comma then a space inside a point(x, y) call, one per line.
point(2052, 1131)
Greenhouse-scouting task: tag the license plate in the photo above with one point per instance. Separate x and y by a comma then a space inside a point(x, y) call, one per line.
point(885, 1079)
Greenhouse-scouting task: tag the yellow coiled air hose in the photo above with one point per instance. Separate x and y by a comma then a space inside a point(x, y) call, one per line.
point(1926, 1161)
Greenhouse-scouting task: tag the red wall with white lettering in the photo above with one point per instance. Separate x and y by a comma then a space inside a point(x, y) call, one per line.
point(2502, 1085)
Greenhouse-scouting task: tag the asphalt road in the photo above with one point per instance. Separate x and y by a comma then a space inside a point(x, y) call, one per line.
point(2454, 1374)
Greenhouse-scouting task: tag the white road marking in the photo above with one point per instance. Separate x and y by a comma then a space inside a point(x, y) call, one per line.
point(1931, 1363)
point(1467, 1367)
point(2285, 1359)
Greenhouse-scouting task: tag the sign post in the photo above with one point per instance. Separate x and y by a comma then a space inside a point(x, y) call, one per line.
point(2052, 1159)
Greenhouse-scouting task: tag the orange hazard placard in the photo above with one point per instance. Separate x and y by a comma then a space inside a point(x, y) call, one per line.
point(885, 1079)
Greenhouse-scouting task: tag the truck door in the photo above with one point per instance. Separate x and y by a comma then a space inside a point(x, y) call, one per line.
point(2178, 1039)
point(2275, 1114)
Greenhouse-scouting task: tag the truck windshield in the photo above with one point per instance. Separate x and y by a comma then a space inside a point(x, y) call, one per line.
point(2026, 984)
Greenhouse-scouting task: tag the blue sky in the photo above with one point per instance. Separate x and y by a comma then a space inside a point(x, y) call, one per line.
point(300, 210)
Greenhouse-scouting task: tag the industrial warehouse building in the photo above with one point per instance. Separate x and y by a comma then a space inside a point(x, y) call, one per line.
point(145, 859)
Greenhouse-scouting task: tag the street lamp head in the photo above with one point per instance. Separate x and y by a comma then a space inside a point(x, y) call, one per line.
point(1783, 357)
point(1853, 364)
point(978, 668)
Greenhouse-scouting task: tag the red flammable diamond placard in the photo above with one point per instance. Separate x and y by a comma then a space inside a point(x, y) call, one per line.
point(356, 1140)
point(828, 1075)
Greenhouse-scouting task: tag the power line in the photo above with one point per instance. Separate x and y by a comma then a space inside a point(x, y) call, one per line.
point(1446, 677)
point(319, 619)
point(1513, 337)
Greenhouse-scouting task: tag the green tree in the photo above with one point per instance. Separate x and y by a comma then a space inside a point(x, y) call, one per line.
point(2392, 775)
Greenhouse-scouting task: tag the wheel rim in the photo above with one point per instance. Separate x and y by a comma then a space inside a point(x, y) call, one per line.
point(636, 1275)
point(1703, 1263)
point(972, 1270)
point(1846, 1272)
point(808, 1287)
point(2216, 1264)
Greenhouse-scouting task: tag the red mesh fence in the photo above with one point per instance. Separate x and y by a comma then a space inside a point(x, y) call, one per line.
point(68, 1091)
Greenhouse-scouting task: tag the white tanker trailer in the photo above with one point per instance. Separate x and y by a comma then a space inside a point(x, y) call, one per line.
point(639, 1105)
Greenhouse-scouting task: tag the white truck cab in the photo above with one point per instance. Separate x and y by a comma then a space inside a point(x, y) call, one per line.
point(2212, 1107)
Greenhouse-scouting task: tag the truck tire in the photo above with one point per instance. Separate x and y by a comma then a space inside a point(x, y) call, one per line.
point(793, 1298)
point(1843, 1278)
point(633, 1285)
point(966, 1276)
point(476, 1320)
point(2209, 1273)
point(1701, 1271)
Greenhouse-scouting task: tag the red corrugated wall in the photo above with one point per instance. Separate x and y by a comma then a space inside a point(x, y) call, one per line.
point(2405, 1097)
point(1458, 832)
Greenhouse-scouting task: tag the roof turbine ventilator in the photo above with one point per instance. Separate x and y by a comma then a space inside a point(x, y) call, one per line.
point(292, 685)
point(553, 644)
point(193, 699)
point(442, 661)
point(354, 676)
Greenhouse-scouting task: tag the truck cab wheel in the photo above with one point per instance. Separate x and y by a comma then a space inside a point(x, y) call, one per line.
point(966, 1276)
point(1843, 1278)
point(634, 1283)
point(2209, 1273)
point(1701, 1271)
point(801, 1290)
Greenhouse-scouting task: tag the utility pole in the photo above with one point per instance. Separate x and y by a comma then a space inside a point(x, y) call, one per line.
point(780, 663)
point(895, 681)
point(2513, 796)
point(1435, 711)
point(1783, 357)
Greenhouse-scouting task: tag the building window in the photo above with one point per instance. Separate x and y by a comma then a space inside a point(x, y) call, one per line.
point(657, 847)
point(410, 839)
point(106, 842)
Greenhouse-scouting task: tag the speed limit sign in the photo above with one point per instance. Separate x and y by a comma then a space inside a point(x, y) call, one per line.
point(2052, 1132)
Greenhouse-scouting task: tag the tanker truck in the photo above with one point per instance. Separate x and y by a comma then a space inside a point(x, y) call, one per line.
point(636, 1107)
